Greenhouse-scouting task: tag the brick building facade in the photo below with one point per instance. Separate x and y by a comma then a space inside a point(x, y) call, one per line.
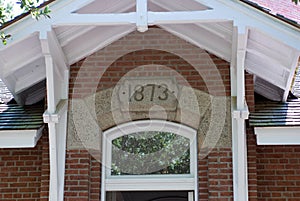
point(204, 102)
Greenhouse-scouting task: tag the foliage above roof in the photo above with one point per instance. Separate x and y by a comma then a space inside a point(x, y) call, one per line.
point(27, 6)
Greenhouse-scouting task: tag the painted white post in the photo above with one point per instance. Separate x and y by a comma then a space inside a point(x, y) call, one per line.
point(239, 114)
point(142, 15)
point(53, 191)
point(57, 77)
point(191, 196)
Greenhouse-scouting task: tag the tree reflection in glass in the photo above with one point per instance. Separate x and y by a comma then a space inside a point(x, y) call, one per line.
point(150, 152)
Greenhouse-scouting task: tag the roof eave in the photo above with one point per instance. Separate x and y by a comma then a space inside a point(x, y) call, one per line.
point(288, 135)
point(20, 138)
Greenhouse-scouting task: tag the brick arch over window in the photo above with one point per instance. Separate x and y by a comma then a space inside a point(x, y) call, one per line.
point(86, 74)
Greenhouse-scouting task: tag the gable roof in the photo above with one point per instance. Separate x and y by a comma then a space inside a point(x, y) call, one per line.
point(270, 114)
point(272, 46)
point(20, 126)
point(283, 9)
point(16, 117)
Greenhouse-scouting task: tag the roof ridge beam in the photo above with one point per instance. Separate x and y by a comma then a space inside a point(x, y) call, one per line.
point(154, 18)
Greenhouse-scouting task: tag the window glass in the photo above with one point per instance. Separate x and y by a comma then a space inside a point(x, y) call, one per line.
point(150, 152)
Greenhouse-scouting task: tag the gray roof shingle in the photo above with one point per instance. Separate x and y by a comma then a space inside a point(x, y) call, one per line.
point(269, 113)
point(15, 117)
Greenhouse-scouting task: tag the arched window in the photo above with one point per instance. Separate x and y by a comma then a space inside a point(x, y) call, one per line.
point(149, 155)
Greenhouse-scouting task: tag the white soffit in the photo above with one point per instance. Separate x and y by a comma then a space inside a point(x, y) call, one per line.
point(272, 62)
point(22, 66)
point(176, 5)
point(79, 41)
point(216, 37)
point(108, 6)
point(20, 138)
point(277, 135)
point(90, 39)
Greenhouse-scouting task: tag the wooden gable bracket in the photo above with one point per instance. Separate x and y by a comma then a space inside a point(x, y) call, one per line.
point(57, 76)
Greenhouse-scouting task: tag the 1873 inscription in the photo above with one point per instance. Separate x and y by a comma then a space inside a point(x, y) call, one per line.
point(140, 94)
point(160, 92)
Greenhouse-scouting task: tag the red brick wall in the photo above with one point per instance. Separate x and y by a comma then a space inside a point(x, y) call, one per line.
point(132, 51)
point(220, 174)
point(251, 140)
point(249, 91)
point(45, 171)
point(274, 171)
point(20, 173)
point(252, 168)
point(77, 175)
point(278, 173)
point(215, 171)
point(83, 176)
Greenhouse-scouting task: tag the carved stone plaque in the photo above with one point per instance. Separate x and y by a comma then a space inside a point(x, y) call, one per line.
point(141, 94)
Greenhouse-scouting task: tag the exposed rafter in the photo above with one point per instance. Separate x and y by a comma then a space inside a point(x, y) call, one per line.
point(207, 41)
point(90, 44)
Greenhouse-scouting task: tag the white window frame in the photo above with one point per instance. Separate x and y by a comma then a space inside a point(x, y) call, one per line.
point(172, 182)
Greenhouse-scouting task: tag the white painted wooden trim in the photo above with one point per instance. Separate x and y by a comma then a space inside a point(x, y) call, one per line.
point(100, 44)
point(148, 182)
point(239, 114)
point(239, 156)
point(294, 65)
point(20, 138)
point(58, 115)
point(245, 16)
point(26, 26)
point(142, 15)
point(30, 79)
point(233, 62)
point(72, 34)
point(57, 148)
point(56, 51)
point(191, 196)
point(75, 19)
point(277, 135)
point(203, 43)
point(240, 13)
point(241, 55)
point(57, 76)
point(153, 18)
point(14, 66)
point(184, 17)
point(53, 186)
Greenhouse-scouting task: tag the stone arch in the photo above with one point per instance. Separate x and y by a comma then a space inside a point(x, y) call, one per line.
point(214, 72)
